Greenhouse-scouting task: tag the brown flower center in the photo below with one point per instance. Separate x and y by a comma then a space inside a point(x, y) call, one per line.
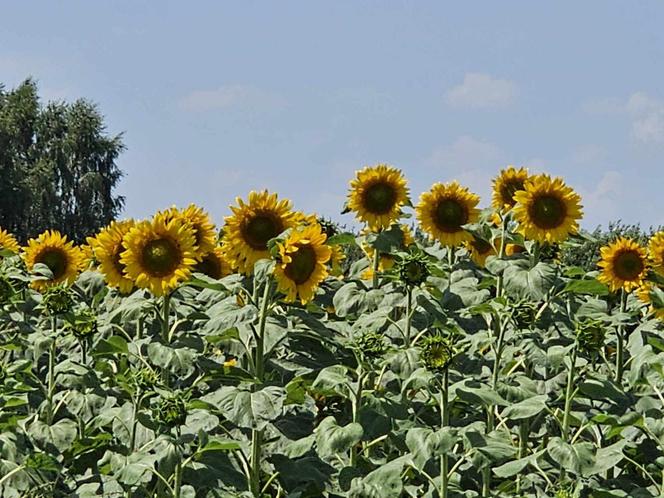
point(210, 266)
point(258, 230)
point(628, 265)
point(55, 259)
point(508, 189)
point(379, 198)
point(547, 212)
point(161, 257)
point(302, 265)
point(481, 246)
point(449, 215)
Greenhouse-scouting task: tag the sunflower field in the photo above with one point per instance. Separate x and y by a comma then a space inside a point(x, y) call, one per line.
point(169, 358)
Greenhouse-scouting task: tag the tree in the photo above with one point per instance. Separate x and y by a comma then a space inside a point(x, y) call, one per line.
point(57, 165)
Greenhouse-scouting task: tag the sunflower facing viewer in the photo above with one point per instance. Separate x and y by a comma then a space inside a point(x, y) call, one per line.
point(252, 225)
point(55, 251)
point(547, 210)
point(624, 265)
point(159, 254)
point(444, 210)
point(377, 194)
point(203, 228)
point(301, 265)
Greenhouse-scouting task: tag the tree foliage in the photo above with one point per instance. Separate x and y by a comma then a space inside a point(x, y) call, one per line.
point(58, 165)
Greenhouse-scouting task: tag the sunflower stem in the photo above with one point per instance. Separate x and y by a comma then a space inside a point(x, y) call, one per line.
point(259, 362)
point(357, 405)
point(376, 265)
point(620, 341)
point(569, 394)
point(165, 315)
point(51, 372)
point(409, 313)
point(444, 422)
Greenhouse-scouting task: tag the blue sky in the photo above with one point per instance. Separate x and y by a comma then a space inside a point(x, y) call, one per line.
point(219, 98)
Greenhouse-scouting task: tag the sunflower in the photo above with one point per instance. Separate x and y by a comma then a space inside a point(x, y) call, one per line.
point(108, 247)
point(87, 256)
point(8, 242)
point(302, 263)
point(644, 293)
point(159, 254)
point(547, 209)
point(656, 252)
point(214, 264)
point(479, 250)
point(624, 265)
point(252, 225)
point(53, 250)
point(337, 257)
point(505, 185)
point(445, 209)
point(203, 228)
point(377, 194)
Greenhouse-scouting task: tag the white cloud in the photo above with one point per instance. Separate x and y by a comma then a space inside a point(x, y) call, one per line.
point(645, 112)
point(481, 91)
point(230, 96)
point(605, 201)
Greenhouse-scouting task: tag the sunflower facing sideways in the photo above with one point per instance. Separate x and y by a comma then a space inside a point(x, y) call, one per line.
point(252, 225)
point(505, 185)
point(301, 265)
point(203, 228)
point(656, 252)
point(547, 210)
point(624, 265)
point(444, 210)
point(55, 251)
point(159, 254)
point(108, 247)
point(479, 250)
point(377, 194)
point(645, 293)
point(8, 242)
point(214, 264)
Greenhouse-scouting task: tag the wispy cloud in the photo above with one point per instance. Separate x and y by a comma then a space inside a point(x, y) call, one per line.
point(481, 91)
point(231, 96)
point(645, 112)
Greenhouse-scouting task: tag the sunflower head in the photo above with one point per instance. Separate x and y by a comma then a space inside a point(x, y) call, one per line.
point(8, 243)
point(83, 323)
point(480, 249)
point(547, 210)
point(413, 268)
point(656, 252)
point(444, 210)
point(199, 220)
point(624, 265)
point(402, 240)
point(371, 346)
point(214, 264)
point(653, 296)
point(436, 352)
point(58, 300)
point(108, 247)
point(377, 194)
point(252, 225)
point(505, 185)
point(590, 336)
point(159, 254)
point(59, 255)
point(301, 265)
point(171, 411)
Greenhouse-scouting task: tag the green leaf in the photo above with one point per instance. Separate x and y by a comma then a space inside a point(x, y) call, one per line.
point(179, 360)
point(341, 239)
point(424, 444)
point(530, 283)
point(527, 408)
point(478, 394)
point(576, 458)
point(587, 286)
point(253, 410)
point(112, 345)
point(331, 439)
point(514, 467)
point(607, 458)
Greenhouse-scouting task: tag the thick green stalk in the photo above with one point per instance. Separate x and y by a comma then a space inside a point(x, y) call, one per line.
point(409, 313)
point(357, 405)
point(259, 362)
point(165, 316)
point(568, 395)
point(51, 372)
point(376, 265)
point(444, 422)
point(620, 360)
point(177, 485)
point(134, 422)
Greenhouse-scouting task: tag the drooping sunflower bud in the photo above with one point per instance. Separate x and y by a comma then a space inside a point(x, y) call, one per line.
point(145, 379)
point(524, 314)
point(58, 300)
point(590, 335)
point(437, 352)
point(171, 411)
point(413, 268)
point(371, 345)
point(83, 324)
